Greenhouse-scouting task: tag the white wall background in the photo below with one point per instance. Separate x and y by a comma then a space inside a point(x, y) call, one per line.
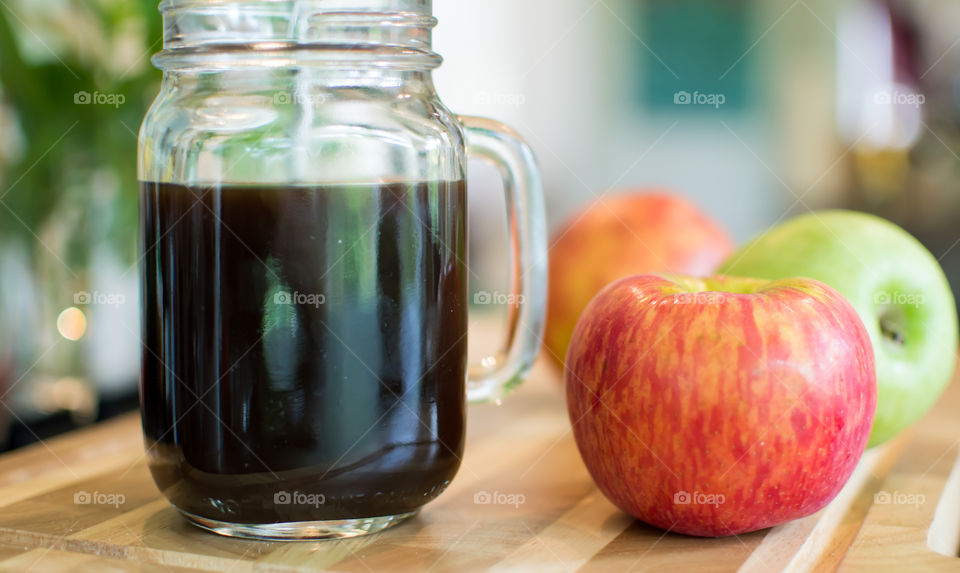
point(556, 71)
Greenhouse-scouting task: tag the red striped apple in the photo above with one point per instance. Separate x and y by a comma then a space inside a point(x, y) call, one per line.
point(720, 406)
point(622, 235)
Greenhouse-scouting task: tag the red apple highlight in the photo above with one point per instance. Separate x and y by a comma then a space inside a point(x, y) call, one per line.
point(619, 236)
point(720, 406)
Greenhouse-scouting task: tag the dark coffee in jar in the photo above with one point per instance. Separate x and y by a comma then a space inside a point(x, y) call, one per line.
point(305, 347)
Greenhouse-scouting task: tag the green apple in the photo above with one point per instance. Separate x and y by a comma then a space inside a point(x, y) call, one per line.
point(897, 288)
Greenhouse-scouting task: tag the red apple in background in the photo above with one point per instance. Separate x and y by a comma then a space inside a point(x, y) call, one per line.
point(720, 406)
point(623, 235)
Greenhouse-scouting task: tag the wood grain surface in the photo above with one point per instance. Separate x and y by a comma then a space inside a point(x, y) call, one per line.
point(900, 511)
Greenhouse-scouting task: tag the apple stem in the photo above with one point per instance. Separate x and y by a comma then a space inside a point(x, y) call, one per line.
point(891, 333)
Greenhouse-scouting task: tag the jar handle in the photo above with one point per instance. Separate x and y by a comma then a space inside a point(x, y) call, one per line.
point(499, 145)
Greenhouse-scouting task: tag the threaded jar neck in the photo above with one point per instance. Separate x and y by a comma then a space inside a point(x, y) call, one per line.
point(346, 33)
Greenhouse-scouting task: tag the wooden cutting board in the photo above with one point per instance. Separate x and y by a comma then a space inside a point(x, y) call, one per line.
point(901, 510)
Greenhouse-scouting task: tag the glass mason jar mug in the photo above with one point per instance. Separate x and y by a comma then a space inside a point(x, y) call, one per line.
point(303, 274)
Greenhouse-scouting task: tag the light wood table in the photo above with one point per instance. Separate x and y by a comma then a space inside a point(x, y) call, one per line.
point(521, 447)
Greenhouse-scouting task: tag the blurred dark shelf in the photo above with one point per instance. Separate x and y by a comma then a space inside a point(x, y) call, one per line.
point(23, 434)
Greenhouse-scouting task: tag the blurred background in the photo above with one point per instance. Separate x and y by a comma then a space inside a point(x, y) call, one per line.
point(755, 110)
